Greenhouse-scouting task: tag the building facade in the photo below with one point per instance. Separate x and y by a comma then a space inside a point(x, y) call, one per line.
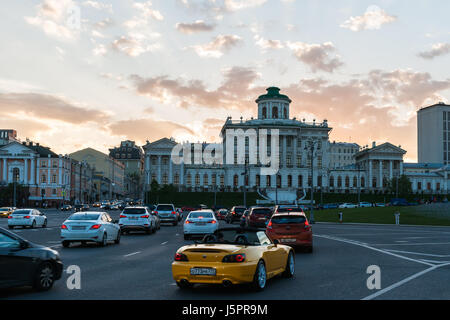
point(433, 134)
point(342, 154)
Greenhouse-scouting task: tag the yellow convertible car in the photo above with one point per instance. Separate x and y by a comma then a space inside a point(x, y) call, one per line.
point(5, 212)
point(233, 256)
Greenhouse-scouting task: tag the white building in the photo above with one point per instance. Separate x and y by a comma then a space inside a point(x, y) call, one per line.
point(358, 170)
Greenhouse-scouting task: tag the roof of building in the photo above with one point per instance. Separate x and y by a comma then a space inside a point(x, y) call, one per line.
point(423, 165)
point(273, 93)
point(439, 104)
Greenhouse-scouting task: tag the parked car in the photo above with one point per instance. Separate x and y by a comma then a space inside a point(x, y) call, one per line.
point(348, 206)
point(291, 228)
point(138, 219)
point(235, 214)
point(24, 263)
point(330, 206)
point(5, 212)
point(364, 204)
point(96, 205)
point(167, 213)
point(221, 214)
point(259, 217)
point(187, 209)
point(199, 223)
point(90, 226)
point(31, 218)
point(380, 204)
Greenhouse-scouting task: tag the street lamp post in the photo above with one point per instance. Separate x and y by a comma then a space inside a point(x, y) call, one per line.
point(311, 144)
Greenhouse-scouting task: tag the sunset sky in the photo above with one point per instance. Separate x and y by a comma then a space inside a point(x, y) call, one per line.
point(78, 74)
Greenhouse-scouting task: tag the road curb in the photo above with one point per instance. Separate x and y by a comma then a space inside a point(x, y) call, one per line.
point(381, 224)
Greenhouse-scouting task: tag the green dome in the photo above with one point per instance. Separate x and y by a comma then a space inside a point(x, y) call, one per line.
point(273, 93)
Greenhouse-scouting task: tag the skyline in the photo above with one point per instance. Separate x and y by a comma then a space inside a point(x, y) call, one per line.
point(143, 70)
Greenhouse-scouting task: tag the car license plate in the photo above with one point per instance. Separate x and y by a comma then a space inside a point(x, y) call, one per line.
point(200, 223)
point(133, 218)
point(287, 240)
point(78, 227)
point(203, 271)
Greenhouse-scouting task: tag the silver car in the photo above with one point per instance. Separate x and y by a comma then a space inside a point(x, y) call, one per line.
point(167, 213)
point(199, 223)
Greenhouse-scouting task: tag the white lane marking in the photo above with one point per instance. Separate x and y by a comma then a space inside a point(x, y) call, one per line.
point(407, 229)
point(420, 253)
point(409, 244)
point(434, 261)
point(132, 254)
point(163, 243)
point(364, 245)
point(397, 284)
point(53, 241)
point(56, 246)
point(177, 234)
point(401, 241)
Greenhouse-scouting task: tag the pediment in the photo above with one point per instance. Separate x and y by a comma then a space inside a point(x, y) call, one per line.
point(16, 148)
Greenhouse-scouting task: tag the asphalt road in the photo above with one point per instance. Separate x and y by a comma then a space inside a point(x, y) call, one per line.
point(414, 264)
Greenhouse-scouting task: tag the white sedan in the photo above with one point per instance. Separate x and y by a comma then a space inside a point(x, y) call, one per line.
point(90, 226)
point(347, 206)
point(365, 204)
point(200, 223)
point(27, 218)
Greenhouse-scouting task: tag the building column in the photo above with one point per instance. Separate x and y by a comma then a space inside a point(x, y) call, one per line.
point(60, 172)
point(147, 169)
point(25, 174)
point(294, 157)
point(380, 184)
point(182, 172)
point(370, 175)
point(401, 167)
point(5, 172)
point(159, 169)
point(390, 169)
point(33, 175)
point(284, 151)
point(170, 170)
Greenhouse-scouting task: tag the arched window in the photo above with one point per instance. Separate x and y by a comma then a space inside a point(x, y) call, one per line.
point(205, 179)
point(355, 182)
point(363, 182)
point(275, 112)
point(284, 113)
point(331, 181)
point(374, 182)
point(176, 179)
point(16, 174)
point(188, 179)
point(235, 180)
point(339, 182)
point(214, 179)
point(300, 181)
point(347, 182)
point(165, 178)
point(197, 179)
point(264, 112)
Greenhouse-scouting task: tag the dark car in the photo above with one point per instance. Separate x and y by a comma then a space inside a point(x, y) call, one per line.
point(259, 216)
point(23, 263)
point(66, 207)
point(78, 207)
point(244, 218)
point(235, 214)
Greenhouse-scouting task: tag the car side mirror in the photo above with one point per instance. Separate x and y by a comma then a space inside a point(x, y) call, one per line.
point(24, 245)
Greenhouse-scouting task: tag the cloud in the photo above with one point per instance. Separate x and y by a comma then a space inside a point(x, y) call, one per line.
point(437, 50)
point(218, 46)
point(147, 129)
point(235, 5)
point(57, 18)
point(316, 56)
point(102, 24)
point(145, 13)
point(135, 44)
point(235, 92)
point(197, 26)
point(372, 19)
point(43, 106)
point(218, 8)
point(99, 50)
point(267, 43)
point(97, 5)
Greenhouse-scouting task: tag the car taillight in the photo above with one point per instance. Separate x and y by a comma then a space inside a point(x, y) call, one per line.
point(307, 226)
point(26, 217)
point(64, 227)
point(155, 212)
point(240, 257)
point(269, 226)
point(173, 212)
point(187, 222)
point(9, 217)
point(233, 212)
point(95, 226)
point(180, 257)
point(145, 216)
point(212, 221)
point(122, 216)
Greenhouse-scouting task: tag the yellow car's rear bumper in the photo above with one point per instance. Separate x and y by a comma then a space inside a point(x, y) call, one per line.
point(234, 272)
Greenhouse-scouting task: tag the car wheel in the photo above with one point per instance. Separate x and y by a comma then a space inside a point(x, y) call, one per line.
point(104, 241)
point(290, 266)
point(44, 225)
point(184, 285)
point(65, 244)
point(260, 278)
point(45, 277)
point(117, 241)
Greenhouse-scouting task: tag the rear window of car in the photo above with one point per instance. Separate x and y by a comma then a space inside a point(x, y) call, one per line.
point(22, 212)
point(4, 209)
point(200, 214)
point(134, 211)
point(262, 211)
point(288, 219)
point(164, 207)
point(90, 216)
point(287, 209)
point(239, 210)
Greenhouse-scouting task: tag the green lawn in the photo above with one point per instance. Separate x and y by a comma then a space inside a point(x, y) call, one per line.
point(408, 215)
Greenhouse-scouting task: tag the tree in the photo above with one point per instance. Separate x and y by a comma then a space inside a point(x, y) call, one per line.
point(404, 186)
point(154, 186)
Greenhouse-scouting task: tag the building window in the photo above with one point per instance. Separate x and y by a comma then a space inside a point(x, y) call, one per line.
point(176, 179)
point(339, 182)
point(54, 192)
point(197, 179)
point(44, 164)
point(205, 179)
point(214, 179)
point(300, 181)
point(319, 181)
point(331, 181)
point(222, 180)
point(264, 113)
point(419, 185)
point(54, 178)
point(289, 181)
point(279, 181)
point(165, 179)
point(235, 180)
point(347, 182)
point(299, 160)
point(363, 182)
point(268, 181)
point(428, 186)
point(188, 179)
point(288, 160)
point(374, 182)
point(275, 112)
point(258, 180)
point(44, 178)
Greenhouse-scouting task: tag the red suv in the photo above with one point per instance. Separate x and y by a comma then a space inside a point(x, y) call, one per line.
point(259, 216)
point(291, 228)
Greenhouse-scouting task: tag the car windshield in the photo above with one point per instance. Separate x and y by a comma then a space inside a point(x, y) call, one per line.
point(262, 211)
point(88, 216)
point(238, 236)
point(200, 215)
point(22, 212)
point(287, 209)
point(134, 211)
point(288, 219)
point(4, 209)
point(164, 207)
